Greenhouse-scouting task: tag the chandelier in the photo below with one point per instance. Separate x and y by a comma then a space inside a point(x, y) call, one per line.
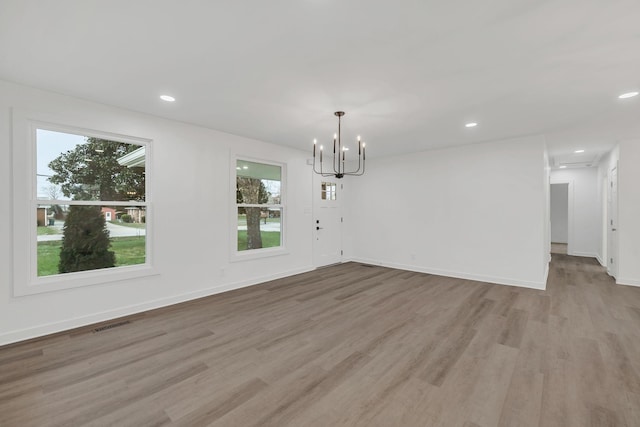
point(339, 156)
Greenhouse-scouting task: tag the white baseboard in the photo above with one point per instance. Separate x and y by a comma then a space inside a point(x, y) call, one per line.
point(77, 322)
point(600, 260)
point(459, 275)
point(628, 282)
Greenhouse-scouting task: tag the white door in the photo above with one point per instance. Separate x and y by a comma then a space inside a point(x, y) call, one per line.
point(605, 221)
point(612, 265)
point(327, 221)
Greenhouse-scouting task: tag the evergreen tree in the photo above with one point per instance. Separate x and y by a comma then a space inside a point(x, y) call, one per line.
point(85, 244)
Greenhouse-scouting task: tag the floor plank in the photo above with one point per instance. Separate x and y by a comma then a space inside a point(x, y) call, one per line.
point(348, 345)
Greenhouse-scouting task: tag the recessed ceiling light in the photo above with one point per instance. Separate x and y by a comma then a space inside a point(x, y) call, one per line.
point(167, 98)
point(628, 95)
point(563, 167)
point(471, 125)
point(579, 151)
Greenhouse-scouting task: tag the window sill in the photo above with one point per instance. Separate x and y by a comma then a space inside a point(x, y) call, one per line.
point(80, 279)
point(258, 253)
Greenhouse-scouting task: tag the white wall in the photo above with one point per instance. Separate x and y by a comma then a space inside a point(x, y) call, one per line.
point(585, 230)
point(477, 211)
point(559, 213)
point(192, 171)
point(629, 213)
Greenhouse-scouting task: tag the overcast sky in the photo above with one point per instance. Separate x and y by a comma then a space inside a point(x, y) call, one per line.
point(50, 145)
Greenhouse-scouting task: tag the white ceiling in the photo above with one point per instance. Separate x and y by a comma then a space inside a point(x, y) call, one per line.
point(409, 74)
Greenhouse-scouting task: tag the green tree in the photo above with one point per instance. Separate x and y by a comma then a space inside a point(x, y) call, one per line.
point(85, 243)
point(91, 172)
point(252, 191)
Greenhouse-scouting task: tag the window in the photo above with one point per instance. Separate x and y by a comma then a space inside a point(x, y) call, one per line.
point(91, 207)
point(86, 217)
point(259, 208)
point(328, 191)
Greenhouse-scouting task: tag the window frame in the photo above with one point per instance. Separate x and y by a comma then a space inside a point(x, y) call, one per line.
point(25, 263)
point(249, 254)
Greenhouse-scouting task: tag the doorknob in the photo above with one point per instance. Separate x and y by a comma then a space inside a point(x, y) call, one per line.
point(614, 229)
point(318, 228)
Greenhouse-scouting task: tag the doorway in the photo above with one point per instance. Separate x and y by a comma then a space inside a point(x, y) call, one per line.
point(612, 223)
point(327, 220)
point(560, 218)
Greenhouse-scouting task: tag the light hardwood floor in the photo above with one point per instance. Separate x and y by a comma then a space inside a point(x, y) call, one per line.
point(349, 345)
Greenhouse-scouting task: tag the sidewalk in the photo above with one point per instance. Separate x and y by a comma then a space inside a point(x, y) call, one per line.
point(270, 226)
point(114, 231)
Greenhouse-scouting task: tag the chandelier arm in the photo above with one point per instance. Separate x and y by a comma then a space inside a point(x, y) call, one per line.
point(340, 145)
point(337, 171)
point(314, 167)
point(363, 164)
point(361, 173)
point(336, 159)
point(321, 172)
point(357, 172)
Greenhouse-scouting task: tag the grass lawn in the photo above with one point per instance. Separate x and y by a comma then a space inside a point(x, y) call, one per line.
point(130, 224)
point(129, 251)
point(43, 231)
point(270, 239)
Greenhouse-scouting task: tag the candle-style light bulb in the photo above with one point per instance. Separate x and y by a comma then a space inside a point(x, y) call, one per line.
point(363, 151)
point(314, 147)
point(358, 138)
point(334, 143)
point(321, 154)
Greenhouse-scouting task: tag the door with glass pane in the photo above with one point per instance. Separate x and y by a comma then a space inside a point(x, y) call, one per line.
point(327, 221)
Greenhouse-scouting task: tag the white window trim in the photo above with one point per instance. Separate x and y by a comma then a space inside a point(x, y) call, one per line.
point(251, 254)
point(25, 201)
